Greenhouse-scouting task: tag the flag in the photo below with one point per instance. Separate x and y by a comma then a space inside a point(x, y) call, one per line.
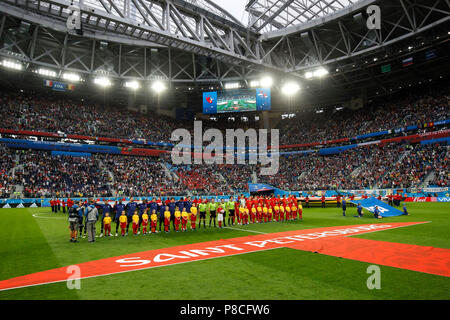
point(431, 54)
point(384, 209)
point(386, 68)
point(407, 61)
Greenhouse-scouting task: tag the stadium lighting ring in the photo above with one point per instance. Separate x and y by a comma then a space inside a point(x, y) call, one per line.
point(15, 65)
point(290, 88)
point(321, 72)
point(318, 73)
point(254, 83)
point(158, 86)
point(71, 77)
point(266, 82)
point(231, 85)
point(103, 82)
point(47, 73)
point(133, 85)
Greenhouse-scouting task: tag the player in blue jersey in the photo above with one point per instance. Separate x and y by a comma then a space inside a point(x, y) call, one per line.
point(180, 204)
point(80, 210)
point(118, 209)
point(376, 213)
point(187, 204)
point(359, 210)
point(141, 209)
point(161, 209)
point(105, 208)
point(405, 211)
point(130, 207)
point(172, 205)
point(344, 206)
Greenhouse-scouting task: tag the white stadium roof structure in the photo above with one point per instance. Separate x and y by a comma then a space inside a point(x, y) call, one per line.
point(197, 42)
point(269, 15)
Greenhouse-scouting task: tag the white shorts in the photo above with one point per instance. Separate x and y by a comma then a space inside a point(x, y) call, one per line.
point(220, 217)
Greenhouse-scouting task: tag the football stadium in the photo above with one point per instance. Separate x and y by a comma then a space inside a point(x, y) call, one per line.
point(206, 150)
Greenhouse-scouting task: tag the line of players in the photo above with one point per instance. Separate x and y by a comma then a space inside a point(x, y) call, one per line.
point(152, 216)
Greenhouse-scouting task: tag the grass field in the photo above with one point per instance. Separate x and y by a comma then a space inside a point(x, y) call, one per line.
point(31, 244)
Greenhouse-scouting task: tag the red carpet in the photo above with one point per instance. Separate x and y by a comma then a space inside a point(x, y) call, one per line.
point(329, 241)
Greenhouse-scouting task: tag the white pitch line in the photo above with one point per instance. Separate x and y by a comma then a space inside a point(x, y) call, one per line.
point(36, 216)
point(245, 230)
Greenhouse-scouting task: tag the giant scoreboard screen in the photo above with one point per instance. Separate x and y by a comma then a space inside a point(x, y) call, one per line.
point(240, 100)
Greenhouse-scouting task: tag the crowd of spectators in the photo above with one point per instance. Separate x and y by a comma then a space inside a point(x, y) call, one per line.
point(202, 179)
point(7, 164)
point(390, 166)
point(386, 166)
point(414, 168)
point(137, 176)
point(415, 109)
point(47, 113)
point(43, 175)
point(22, 111)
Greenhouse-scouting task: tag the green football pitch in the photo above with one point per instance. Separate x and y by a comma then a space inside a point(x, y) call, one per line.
point(35, 240)
point(236, 106)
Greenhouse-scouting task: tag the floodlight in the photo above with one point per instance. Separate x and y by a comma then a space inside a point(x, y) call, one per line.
point(254, 83)
point(71, 77)
point(15, 65)
point(266, 82)
point(158, 86)
point(309, 75)
point(290, 88)
point(321, 72)
point(103, 82)
point(47, 73)
point(231, 85)
point(133, 85)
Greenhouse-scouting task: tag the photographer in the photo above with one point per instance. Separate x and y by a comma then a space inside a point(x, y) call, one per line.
point(73, 224)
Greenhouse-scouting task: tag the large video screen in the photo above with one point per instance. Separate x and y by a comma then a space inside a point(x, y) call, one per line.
point(241, 100)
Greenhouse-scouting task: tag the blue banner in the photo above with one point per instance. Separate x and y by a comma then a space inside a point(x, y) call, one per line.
point(384, 209)
point(258, 187)
point(335, 150)
point(59, 146)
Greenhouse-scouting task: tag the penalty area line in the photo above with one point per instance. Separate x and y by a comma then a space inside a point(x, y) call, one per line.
point(245, 230)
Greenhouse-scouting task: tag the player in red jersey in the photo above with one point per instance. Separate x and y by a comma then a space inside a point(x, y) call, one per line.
point(237, 216)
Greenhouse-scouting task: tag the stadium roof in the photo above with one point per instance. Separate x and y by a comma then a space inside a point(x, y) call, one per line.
point(267, 15)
